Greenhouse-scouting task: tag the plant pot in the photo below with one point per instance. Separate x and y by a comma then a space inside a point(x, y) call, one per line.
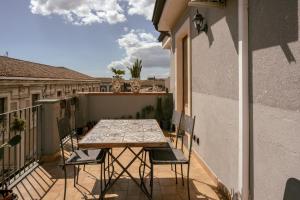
point(135, 85)
point(117, 84)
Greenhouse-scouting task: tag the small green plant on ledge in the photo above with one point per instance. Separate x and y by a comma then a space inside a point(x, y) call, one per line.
point(118, 73)
point(136, 69)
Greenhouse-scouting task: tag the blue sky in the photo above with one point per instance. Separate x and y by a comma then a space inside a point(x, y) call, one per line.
point(87, 36)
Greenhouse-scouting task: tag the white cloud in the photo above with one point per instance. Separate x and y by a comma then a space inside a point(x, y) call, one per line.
point(81, 12)
point(141, 7)
point(141, 45)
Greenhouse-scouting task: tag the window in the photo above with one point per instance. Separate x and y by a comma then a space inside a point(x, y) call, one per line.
point(34, 99)
point(58, 93)
point(74, 91)
point(185, 71)
point(2, 105)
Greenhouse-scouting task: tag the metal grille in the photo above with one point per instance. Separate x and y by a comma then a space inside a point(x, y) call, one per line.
point(18, 159)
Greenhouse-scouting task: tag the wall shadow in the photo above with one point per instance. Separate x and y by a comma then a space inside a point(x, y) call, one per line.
point(271, 23)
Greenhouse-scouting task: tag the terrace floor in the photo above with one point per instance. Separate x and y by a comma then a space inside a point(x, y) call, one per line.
point(47, 182)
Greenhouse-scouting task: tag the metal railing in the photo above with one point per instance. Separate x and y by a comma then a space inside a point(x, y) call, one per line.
point(19, 159)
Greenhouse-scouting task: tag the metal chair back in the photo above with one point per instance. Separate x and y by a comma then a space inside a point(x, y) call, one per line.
point(176, 118)
point(65, 134)
point(187, 126)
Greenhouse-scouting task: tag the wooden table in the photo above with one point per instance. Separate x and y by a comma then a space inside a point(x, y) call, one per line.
point(124, 134)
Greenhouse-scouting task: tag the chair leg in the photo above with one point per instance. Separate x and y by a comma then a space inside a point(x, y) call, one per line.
point(74, 169)
point(175, 173)
point(145, 160)
point(65, 189)
point(188, 181)
point(182, 179)
point(151, 181)
point(104, 173)
point(78, 169)
point(101, 195)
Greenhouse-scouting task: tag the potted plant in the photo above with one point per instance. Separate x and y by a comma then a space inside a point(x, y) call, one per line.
point(18, 125)
point(5, 193)
point(117, 79)
point(135, 72)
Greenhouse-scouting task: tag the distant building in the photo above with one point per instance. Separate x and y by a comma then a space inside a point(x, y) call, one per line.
point(23, 82)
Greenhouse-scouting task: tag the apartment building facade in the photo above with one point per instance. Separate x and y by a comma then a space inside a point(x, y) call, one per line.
point(23, 82)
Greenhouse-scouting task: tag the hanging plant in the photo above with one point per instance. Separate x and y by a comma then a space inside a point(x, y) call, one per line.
point(18, 125)
point(5, 193)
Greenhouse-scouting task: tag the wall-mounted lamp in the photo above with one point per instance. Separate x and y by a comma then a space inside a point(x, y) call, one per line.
point(200, 23)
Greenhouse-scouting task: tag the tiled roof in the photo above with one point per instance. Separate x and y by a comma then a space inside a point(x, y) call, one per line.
point(10, 67)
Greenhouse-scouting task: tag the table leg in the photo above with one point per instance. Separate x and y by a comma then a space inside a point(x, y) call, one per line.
point(125, 169)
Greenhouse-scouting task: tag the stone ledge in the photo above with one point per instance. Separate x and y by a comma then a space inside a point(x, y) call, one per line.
point(120, 94)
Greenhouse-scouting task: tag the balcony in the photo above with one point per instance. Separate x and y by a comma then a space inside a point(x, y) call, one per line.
point(32, 168)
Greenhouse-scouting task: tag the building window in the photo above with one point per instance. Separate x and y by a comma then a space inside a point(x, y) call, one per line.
point(82, 89)
point(58, 93)
point(103, 89)
point(34, 99)
point(3, 105)
point(90, 89)
point(74, 91)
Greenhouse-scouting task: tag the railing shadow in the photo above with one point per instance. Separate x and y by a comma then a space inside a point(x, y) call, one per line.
point(35, 185)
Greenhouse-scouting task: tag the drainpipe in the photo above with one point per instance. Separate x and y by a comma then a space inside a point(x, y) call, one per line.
point(243, 159)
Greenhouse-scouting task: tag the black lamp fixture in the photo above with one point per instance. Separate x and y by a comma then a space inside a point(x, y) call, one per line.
point(200, 23)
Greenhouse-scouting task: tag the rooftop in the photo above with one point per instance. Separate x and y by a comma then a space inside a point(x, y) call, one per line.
point(11, 67)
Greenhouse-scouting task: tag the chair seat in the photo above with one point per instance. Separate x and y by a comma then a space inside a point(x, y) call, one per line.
point(86, 156)
point(170, 145)
point(167, 156)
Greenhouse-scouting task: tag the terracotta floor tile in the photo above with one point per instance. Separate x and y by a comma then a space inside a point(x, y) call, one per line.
point(47, 182)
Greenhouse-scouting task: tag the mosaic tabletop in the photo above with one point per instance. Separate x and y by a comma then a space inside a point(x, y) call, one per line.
point(124, 133)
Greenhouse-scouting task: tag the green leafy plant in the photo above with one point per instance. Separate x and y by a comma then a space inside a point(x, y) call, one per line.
point(138, 115)
point(118, 73)
point(5, 192)
point(18, 125)
point(136, 69)
point(147, 112)
point(168, 108)
point(158, 110)
point(10, 143)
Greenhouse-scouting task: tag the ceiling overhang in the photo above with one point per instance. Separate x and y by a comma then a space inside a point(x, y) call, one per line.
point(166, 13)
point(207, 3)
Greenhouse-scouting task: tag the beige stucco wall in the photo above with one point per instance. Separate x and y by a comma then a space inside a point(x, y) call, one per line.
point(274, 74)
point(274, 96)
point(214, 89)
point(94, 107)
